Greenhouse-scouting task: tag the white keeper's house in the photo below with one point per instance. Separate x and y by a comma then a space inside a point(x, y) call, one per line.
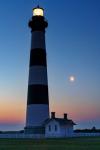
point(58, 127)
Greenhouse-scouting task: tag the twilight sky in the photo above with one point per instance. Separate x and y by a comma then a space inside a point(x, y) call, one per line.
point(73, 48)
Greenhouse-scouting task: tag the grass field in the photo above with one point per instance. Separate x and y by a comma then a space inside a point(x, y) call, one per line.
point(85, 143)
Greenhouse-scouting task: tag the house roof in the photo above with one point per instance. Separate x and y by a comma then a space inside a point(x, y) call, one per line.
point(61, 121)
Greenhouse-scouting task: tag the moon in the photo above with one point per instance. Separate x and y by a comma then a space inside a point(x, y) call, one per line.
point(72, 78)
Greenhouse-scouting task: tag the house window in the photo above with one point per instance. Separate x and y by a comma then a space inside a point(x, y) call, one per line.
point(49, 128)
point(55, 127)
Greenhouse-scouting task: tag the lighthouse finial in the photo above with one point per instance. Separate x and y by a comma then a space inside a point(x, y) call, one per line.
point(36, 3)
point(38, 6)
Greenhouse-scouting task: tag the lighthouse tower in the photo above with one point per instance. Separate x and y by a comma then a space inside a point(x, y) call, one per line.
point(37, 99)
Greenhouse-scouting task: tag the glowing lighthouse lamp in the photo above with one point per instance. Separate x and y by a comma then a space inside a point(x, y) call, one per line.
point(38, 11)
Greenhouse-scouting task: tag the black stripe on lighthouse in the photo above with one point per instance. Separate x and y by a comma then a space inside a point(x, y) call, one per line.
point(38, 57)
point(38, 94)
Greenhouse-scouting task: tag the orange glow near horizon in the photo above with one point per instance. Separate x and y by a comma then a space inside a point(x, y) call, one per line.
point(14, 110)
point(76, 112)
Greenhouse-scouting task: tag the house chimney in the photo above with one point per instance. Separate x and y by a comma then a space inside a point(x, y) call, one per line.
point(65, 116)
point(52, 115)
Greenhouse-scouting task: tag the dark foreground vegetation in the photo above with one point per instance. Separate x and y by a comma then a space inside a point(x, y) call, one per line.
point(86, 143)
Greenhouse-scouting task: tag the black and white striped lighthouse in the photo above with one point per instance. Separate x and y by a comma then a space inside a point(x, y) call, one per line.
point(38, 99)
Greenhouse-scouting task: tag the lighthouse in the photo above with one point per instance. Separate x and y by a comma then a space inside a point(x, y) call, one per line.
point(37, 97)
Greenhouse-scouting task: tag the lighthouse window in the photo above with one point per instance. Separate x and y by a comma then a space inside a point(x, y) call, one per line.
point(55, 127)
point(49, 128)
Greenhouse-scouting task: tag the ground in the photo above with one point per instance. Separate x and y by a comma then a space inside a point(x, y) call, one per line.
point(86, 143)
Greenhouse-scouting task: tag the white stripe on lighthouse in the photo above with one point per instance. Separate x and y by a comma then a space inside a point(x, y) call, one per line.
point(38, 75)
point(38, 40)
point(36, 114)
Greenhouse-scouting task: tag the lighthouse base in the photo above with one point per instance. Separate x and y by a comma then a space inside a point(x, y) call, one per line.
point(34, 130)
